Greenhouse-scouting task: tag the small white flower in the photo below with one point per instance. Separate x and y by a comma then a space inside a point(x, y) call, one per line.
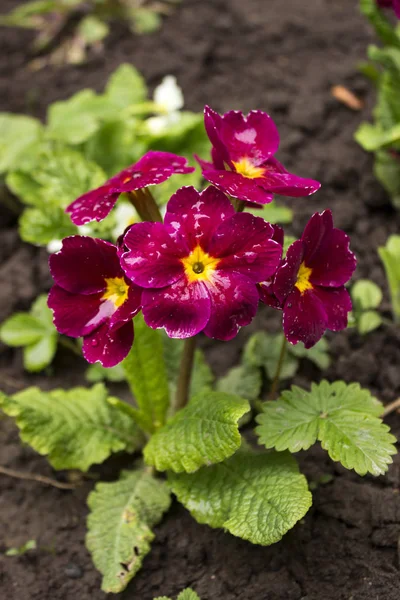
point(84, 230)
point(54, 246)
point(168, 97)
point(125, 215)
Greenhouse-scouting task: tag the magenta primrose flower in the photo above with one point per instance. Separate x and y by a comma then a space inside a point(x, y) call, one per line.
point(200, 269)
point(93, 299)
point(309, 284)
point(153, 168)
point(243, 164)
point(395, 4)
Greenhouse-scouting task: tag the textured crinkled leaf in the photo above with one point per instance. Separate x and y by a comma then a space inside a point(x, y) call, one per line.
point(73, 121)
point(21, 329)
point(126, 86)
point(18, 135)
point(374, 137)
point(147, 376)
point(344, 418)
point(121, 516)
point(202, 377)
point(203, 433)
point(74, 428)
point(187, 594)
point(244, 381)
point(257, 497)
point(40, 226)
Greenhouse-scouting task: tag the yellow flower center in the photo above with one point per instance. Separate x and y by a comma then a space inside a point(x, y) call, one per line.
point(116, 291)
point(303, 278)
point(199, 266)
point(245, 167)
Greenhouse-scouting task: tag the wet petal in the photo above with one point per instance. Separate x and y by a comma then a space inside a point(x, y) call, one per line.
point(304, 318)
point(83, 264)
point(238, 186)
point(94, 205)
point(154, 161)
point(327, 252)
point(267, 296)
point(243, 243)
point(337, 304)
point(77, 315)
point(109, 347)
point(234, 303)
point(128, 309)
point(195, 215)
point(182, 309)
point(286, 275)
point(288, 185)
point(213, 124)
point(255, 136)
point(152, 256)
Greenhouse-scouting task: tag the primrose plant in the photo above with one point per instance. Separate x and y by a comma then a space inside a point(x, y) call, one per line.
point(142, 302)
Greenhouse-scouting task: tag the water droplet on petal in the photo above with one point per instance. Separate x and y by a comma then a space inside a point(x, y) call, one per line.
point(94, 342)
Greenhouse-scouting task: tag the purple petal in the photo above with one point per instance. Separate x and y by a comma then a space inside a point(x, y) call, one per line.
point(213, 124)
point(267, 296)
point(182, 309)
point(194, 215)
point(109, 347)
point(128, 309)
point(159, 161)
point(243, 244)
point(152, 258)
point(288, 185)
point(83, 264)
point(286, 275)
point(337, 305)
point(94, 205)
point(238, 186)
point(278, 235)
point(304, 318)
point(78, 315)
point(327, 252)
point(255, 137)
point(396, 6)
point(234, 303)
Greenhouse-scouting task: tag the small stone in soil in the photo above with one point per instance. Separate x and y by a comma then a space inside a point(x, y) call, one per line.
point(73, 571)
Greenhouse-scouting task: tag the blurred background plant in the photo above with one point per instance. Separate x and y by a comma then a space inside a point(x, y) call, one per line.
point(382, 137)
point(67, 29)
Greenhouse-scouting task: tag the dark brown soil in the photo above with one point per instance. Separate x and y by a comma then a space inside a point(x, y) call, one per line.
point(282, 57)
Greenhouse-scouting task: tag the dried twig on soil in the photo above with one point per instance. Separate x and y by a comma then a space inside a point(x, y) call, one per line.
point(391, 407)
point(36, 477)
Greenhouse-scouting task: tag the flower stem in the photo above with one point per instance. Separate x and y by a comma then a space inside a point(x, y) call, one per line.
point(185, 373)
point(389, 408)
point(67, 343)
point(145, 205)
point(275, 383)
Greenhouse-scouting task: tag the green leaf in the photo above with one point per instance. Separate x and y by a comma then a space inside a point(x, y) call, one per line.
point(366, 294)
point(95, 373)
point(29, 545)
point(344, 418)
point(21, 329)
point(202, 377)
point(274, 213)
point(390, 256)
point(92, 29)
point(382, 26)
point(39, 355)
point(187, 594)
point(373, 137)
point(38, 226)
point(125, 87)
point(387, 171)
point(243, 380)
point(73, 121)
point(368, 321)
point(263, 350)
point(74, 428)
point(121, 516)
point(318, 354)
point(257, 497)
point(145, 20)
point(146, 374)
point(18, 136)
point(203, 433)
